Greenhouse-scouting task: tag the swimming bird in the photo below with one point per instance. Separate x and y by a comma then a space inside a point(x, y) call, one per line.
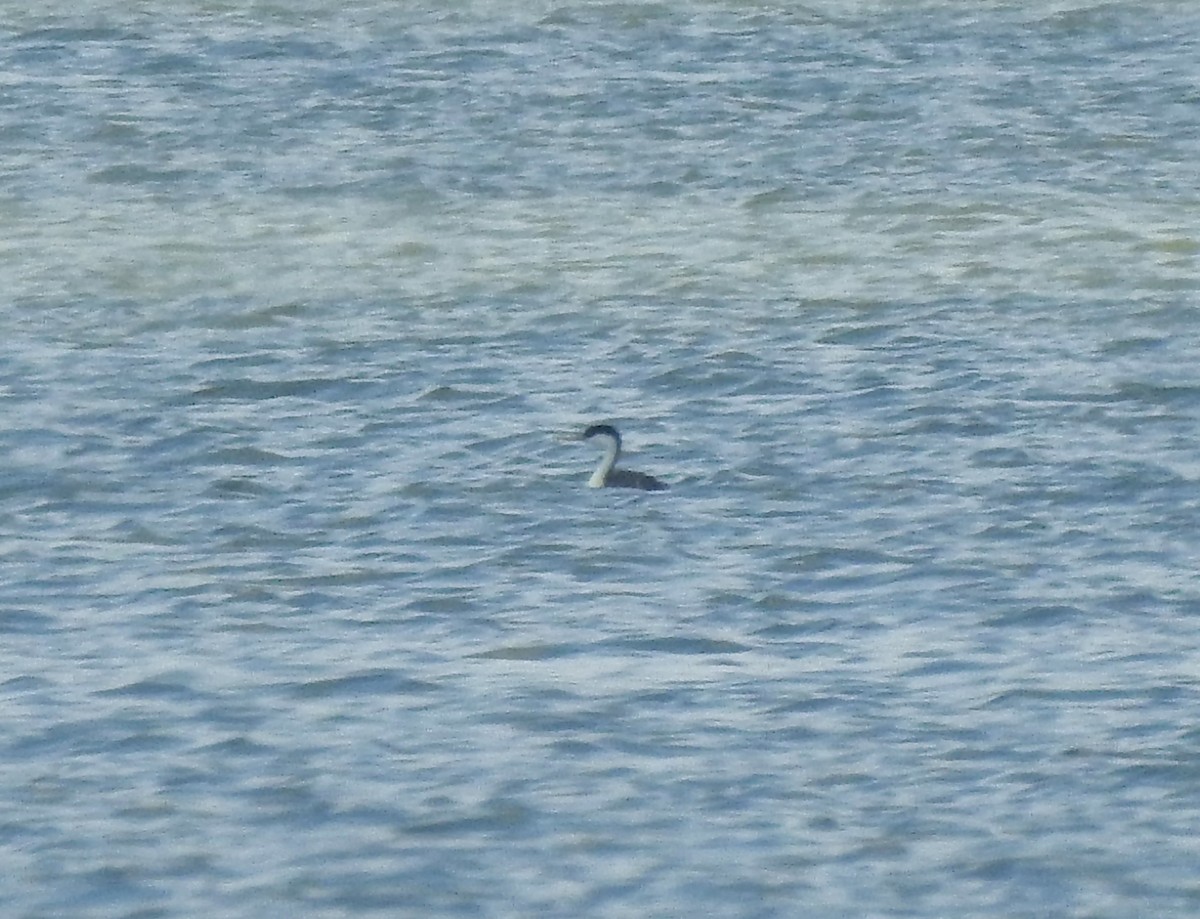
point(605, 475)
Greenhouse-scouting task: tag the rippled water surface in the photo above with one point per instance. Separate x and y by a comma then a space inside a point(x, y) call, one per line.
point(306, 609)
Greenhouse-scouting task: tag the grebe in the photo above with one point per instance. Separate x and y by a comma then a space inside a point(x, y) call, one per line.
point(605, 475)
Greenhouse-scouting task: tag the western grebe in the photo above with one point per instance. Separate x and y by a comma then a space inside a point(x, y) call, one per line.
point(605, 475)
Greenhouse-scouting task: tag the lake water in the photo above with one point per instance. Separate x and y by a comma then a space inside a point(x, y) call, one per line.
point(306, 608)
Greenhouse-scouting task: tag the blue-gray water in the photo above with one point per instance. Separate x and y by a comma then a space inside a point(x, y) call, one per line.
point(305, 609)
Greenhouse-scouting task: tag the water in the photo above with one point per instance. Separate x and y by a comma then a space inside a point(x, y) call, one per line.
point(305, 608)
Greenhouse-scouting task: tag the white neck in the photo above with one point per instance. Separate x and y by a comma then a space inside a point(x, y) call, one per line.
point(611, 452)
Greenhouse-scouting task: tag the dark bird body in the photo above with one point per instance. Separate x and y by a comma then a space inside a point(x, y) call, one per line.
point(606, 475)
